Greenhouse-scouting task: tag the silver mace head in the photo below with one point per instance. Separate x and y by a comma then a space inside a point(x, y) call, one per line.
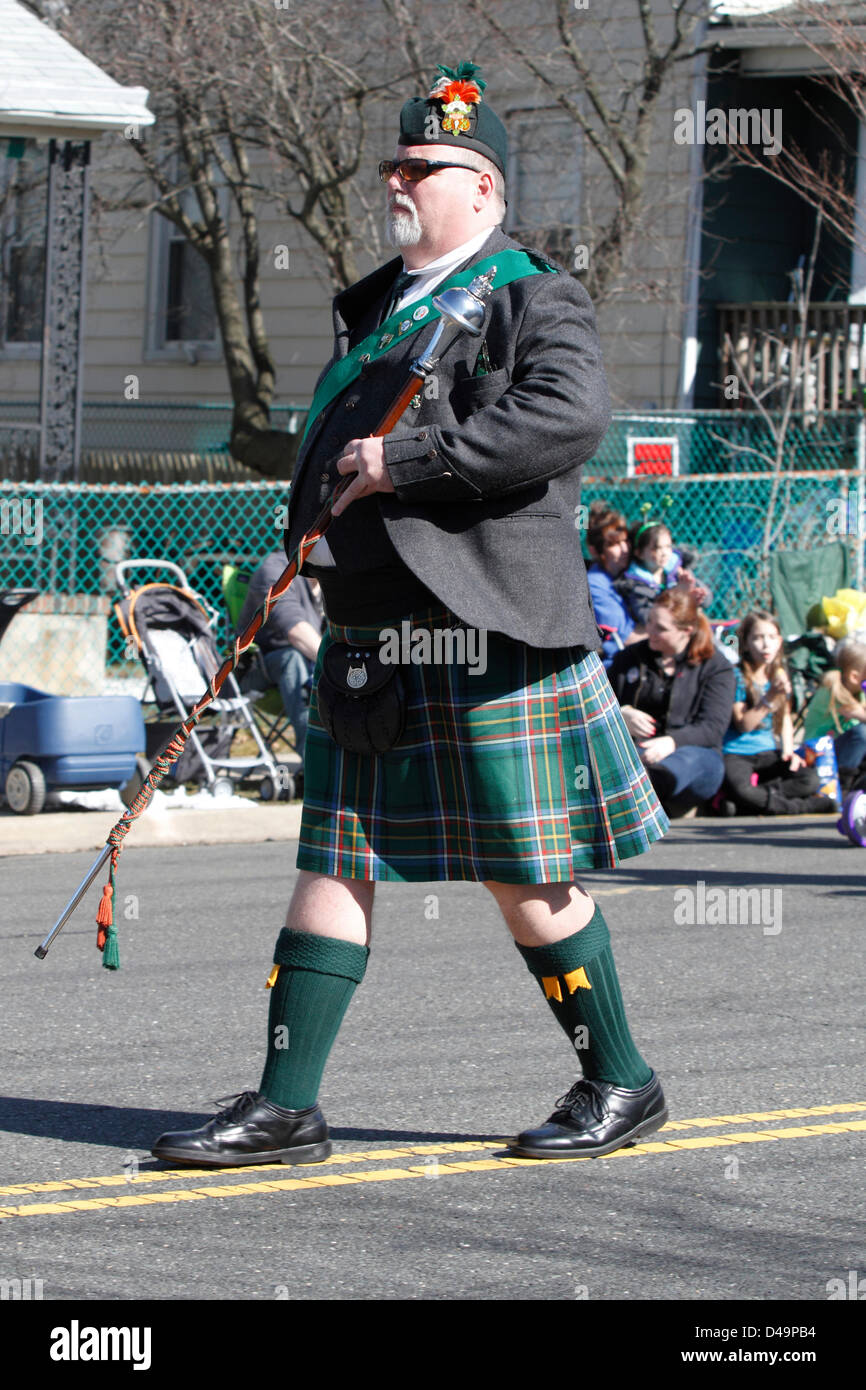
point(462, 311)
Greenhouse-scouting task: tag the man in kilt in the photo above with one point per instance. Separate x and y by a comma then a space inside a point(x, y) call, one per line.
point(514, 769)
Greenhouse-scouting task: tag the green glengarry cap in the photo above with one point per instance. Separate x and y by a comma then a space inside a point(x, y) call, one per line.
point(454, 114)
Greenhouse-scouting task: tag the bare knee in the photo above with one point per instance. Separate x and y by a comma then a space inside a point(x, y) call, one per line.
point(327, 906)
point(538, 913)
point(554, 897)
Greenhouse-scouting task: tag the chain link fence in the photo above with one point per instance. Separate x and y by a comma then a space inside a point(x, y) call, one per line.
point(723, 441)
point(723, 518)
point(64, 540)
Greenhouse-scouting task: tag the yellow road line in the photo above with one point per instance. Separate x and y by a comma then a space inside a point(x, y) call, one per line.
point(410, 1151)
point(319, 1179)
point(760, 1116)
point(347, 1156)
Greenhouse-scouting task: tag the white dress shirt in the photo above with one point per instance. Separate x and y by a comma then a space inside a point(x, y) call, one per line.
point(427, 277)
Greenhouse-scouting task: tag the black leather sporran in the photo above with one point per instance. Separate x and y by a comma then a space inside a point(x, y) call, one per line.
point(361, 699)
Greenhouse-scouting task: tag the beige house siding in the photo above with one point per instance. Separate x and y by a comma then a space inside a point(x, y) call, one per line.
point(641, 321)
point(296, 317)
point(296, 307)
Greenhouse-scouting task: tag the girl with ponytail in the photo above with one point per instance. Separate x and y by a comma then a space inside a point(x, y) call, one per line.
point(764, 776)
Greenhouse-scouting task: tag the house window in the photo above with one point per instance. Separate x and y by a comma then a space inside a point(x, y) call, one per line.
point(189, 308)
point(544, 187)
point(23, 212)
point(182, 315)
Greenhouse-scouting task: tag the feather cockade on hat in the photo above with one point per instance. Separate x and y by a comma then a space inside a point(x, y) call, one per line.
point(459, 90)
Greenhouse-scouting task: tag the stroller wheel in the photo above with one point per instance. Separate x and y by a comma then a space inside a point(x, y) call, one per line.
point(852, 821)
point(284, 789)
point(25, 788)
point(267, 790)
point(222, 788)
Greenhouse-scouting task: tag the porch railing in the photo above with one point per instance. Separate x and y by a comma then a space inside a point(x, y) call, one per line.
point(827, 361)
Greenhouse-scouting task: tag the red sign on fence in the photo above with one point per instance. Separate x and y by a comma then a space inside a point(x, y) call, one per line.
point(653, 457)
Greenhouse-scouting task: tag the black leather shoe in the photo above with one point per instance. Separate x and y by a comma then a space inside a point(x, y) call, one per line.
point(594, 1118)
point(252, 1130)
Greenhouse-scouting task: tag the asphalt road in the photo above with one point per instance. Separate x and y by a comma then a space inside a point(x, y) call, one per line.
point(447, 1048)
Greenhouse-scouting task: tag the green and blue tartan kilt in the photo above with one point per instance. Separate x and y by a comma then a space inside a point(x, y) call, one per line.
point(525, 773)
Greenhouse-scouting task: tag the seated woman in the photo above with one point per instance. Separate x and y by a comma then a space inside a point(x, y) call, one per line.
point(676, 691)
point(763, 774)
point(607, 543)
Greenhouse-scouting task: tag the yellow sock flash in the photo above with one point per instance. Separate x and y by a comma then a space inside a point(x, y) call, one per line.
point(575, 979)
point(272, 978)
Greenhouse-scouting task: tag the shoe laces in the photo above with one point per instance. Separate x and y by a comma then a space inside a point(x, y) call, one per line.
point(583, 1093)
point(233, 1107)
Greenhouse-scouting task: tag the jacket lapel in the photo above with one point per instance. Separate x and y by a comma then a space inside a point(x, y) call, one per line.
point(356, 313)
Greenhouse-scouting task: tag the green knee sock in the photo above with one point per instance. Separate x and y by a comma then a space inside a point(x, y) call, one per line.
point(316, 980)
point(579, 981)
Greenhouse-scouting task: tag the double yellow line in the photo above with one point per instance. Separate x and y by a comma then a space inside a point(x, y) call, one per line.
point(324, 1175)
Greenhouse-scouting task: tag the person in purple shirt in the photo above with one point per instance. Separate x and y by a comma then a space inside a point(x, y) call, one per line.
point(607, 543)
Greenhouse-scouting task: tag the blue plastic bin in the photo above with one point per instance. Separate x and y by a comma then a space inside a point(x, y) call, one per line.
point(76, 741)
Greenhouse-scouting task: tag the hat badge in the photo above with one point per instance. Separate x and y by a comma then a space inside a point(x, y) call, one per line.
point(458, 91)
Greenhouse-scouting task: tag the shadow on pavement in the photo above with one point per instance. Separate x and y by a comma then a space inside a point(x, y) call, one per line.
point(79, 1123)
point(726, 876)
point(114, 1125)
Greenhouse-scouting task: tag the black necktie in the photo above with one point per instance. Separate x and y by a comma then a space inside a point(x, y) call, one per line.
point(401, 284)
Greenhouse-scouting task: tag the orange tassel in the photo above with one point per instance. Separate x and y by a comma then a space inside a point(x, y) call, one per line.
point(104, 916)
point(103, 912)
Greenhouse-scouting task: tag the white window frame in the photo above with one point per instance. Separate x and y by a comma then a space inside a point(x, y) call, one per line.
point(157, 348)
point(545, 120)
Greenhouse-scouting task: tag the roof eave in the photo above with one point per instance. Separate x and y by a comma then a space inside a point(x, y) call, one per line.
point(30, 125)
point(755, 36)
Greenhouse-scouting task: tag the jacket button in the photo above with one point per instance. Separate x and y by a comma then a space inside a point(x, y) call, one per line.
point(352, 402)
point(432, 453)
point(423, 434)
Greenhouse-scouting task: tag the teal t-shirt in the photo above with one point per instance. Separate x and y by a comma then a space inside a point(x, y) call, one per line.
point(819, 717)
point(760, 740)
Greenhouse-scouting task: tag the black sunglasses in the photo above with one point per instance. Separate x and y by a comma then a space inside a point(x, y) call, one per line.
point(414, 170)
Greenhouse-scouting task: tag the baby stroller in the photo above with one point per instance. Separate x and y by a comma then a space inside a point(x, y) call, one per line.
point(170, 628)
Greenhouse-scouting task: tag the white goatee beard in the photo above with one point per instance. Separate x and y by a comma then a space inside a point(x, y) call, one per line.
point(403, 226)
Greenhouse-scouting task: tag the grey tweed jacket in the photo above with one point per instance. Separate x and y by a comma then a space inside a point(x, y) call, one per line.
point(487, 471)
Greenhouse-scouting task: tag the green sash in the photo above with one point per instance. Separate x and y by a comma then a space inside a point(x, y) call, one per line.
point(510, 265)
